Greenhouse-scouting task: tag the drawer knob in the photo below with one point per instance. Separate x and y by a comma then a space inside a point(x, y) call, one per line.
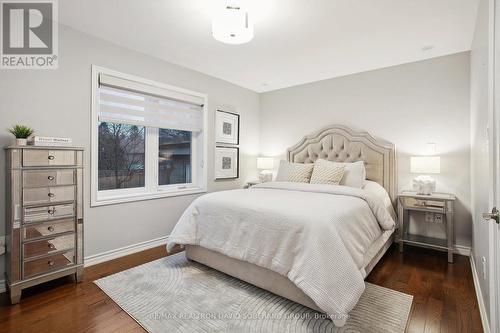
point(51, 262)
point(51, 211)
point(51, 195)
point(51, 246)
point(51, 157)
point(50, 177)
point(50, 228)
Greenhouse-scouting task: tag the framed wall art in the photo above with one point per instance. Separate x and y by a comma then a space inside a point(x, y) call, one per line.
point(227, 162)
point(227, 127)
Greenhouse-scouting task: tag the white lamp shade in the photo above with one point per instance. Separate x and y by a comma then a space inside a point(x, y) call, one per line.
point(265, 163)
point(425, 164)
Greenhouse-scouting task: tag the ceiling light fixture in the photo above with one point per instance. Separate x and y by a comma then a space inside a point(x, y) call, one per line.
point(231, 23)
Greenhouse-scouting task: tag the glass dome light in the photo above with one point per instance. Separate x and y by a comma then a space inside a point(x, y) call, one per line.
point(231, 23)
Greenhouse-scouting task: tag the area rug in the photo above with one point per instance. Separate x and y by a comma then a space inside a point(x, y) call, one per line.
point(174, 294)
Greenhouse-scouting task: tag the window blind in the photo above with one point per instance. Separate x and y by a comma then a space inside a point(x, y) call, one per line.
point(134, 103)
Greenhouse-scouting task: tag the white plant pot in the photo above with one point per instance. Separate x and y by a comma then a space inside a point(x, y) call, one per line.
point(21, 142)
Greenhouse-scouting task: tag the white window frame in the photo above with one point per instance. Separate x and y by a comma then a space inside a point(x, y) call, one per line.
point(151, 189)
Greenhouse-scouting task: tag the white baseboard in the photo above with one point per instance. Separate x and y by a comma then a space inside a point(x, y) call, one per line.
point(457, 249)
point(462, 250)
point(123, 251)
point(479, 294)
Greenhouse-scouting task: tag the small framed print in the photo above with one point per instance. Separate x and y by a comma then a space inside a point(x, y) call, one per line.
point(227, 127)
point(227, 162)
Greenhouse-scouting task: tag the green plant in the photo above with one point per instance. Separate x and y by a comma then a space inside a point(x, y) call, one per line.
point(21, 131)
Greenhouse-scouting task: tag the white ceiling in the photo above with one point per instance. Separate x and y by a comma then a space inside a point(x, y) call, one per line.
point(296, 41)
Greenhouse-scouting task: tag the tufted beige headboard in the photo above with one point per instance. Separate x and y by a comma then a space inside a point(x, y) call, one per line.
point(342, 144)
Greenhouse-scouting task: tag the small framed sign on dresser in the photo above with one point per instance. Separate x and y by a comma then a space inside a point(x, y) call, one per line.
point(44, 215)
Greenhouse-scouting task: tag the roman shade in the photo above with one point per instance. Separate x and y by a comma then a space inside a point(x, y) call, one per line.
point(135, 103)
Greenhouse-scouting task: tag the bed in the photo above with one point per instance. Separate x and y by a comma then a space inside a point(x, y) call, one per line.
point(290, 270)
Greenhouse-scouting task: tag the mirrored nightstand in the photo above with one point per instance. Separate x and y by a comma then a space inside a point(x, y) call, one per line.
point(439, 203)
point(251, 183)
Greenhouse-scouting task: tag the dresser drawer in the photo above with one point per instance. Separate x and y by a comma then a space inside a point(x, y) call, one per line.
point(46, 229)
point(48, 157)
point(48, 264)
point(45, 195)
point(48, 246)
point(32, 178)
point(428, 204)
point(48, 213)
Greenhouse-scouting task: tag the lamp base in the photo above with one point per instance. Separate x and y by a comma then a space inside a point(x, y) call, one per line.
point(424, 185)
point(265, 176)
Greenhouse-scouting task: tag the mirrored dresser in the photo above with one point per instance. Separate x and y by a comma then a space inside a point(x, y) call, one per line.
point(44, 215)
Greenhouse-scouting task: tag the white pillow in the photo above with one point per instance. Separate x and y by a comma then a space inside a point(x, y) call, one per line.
point(294, 172)
point(354, 174)
point(380, 192)
point(326, 172)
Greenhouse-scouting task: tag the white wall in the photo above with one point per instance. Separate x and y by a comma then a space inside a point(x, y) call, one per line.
point(409, 105)
point(57, 103)
point(480, 111)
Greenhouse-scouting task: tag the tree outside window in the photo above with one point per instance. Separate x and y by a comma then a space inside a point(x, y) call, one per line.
point(121, 156)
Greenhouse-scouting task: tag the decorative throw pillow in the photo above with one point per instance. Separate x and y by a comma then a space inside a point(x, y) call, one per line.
point(294, 172)
point(326, 172)
point(354, 174)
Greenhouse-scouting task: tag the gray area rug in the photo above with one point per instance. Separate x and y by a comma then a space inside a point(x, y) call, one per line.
point(173, 294)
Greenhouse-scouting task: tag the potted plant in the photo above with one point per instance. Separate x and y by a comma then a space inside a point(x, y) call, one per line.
point(22, 133)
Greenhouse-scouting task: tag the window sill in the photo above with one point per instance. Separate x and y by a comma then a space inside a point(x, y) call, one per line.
point(144, 196)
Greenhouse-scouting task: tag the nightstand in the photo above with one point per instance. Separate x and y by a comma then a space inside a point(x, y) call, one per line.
point(251, 183)
point(439, 203)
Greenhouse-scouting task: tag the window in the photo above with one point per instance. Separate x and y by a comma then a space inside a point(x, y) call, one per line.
point(148, 139)
point(174, 157)
point(122, 156)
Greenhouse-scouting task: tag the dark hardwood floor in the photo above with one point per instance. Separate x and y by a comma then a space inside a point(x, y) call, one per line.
point(444, 296)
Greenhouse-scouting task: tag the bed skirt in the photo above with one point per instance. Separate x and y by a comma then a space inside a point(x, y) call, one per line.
point(270, 280)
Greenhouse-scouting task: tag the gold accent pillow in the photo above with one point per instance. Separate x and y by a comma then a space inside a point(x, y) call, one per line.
point(294, 172)
point(326, 172)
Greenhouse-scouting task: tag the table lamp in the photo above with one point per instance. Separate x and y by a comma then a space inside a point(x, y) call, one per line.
point(425, 165)
point(265, 164)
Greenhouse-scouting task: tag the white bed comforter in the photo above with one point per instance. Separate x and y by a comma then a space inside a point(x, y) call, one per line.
point(316, 235)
